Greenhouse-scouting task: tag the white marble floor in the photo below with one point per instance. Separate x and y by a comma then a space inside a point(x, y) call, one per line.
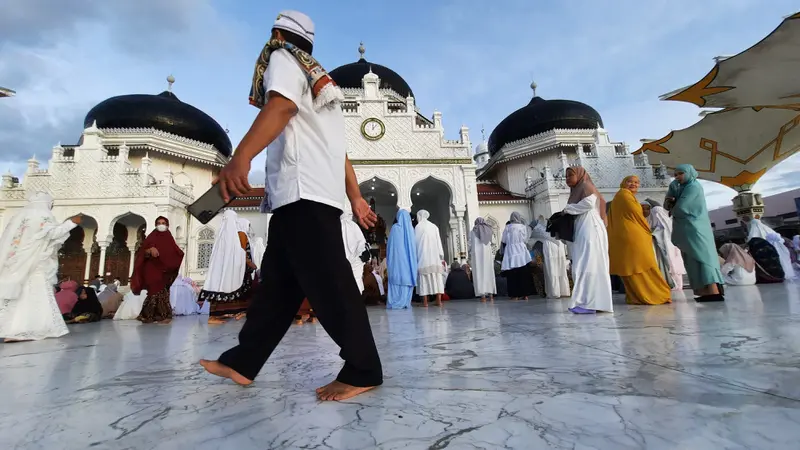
point(521, 375)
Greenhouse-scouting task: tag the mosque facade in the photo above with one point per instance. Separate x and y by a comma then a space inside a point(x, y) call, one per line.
point(522, 166)
point(143, 156)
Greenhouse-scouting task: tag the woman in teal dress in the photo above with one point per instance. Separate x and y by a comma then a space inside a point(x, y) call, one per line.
point(692, 234)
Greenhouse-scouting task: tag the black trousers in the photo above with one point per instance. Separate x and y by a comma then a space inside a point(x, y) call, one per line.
point(296, 232)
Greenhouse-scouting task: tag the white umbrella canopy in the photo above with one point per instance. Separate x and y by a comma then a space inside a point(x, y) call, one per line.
point(734, 146)
point(765, 74)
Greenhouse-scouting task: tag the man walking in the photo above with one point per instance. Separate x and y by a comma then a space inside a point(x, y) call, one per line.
point(308, 175)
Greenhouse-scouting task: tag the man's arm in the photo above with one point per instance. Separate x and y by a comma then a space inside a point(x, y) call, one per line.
point(365, 216)
point(268, 125)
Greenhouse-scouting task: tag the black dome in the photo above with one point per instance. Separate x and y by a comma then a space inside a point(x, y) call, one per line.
point(350, 75)
point(542, 115)
point(163, 112)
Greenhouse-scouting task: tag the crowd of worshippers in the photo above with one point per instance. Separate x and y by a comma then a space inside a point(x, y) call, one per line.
point(644, 250)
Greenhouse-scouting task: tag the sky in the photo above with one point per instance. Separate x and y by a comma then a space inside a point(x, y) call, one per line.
point(473, 60)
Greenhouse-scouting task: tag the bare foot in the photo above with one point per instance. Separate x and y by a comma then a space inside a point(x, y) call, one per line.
point(165, 322)
point(221, 370)
point(483, 299)
point(339, 391)
point(215, 321)
point(439, 303)
point(240, 316)
point(11, 341)
point(424, 304)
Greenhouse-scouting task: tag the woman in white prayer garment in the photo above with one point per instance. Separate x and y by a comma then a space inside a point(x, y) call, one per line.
point(661, 225)
point(556, 280)
point(28, 269)
point(354, 246)
point(482, 259)
point(225, 284)
point(516, 257)
point(739, 268)
point(430, 259)
point(589, 249)
point(759, 230)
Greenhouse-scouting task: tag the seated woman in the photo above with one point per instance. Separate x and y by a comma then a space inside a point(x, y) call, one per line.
point(372, 294)
point(87, 309)
point(768, 262)
point(739, 268)
point(458, 285)
point(111, 300)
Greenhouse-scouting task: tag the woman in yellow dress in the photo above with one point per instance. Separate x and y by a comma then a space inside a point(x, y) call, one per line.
point(631, 253)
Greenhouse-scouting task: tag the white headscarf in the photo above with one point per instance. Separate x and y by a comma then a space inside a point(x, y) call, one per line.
point(429, 245)
point(759, 230)
point(659, 218)
point(258, 249)
point(354, 245)
point(30, 242)
point(227, 266)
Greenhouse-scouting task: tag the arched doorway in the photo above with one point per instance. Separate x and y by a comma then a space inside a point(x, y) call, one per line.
point(127, 233)
point(382, 198)
point(435, 197)
point(72, 257)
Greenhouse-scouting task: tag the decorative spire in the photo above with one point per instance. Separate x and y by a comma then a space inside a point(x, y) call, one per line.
point(361, 50)
point(483, 133)
point(534, 86)
point(170, 82)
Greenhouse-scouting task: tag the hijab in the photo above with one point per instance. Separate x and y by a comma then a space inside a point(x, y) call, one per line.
point(584, 188)
point(483, 231)
point(156, 274)
point(30, 242)
point(67, 296)
point(517, 218)
point(402, 252)
point(689, 177)
point(659, 218)
point(88, 305)
point(227, 266)
point(429, 245)
point(735, 255)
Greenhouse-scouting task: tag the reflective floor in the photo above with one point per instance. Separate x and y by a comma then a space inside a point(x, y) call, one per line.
point(524, 375)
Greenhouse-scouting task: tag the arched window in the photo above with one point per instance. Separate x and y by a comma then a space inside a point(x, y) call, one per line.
point(205, 244)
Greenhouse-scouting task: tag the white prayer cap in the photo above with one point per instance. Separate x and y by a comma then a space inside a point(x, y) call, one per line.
point(296, 22)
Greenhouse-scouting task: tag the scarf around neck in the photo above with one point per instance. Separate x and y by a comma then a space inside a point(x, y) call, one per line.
point(323, 89)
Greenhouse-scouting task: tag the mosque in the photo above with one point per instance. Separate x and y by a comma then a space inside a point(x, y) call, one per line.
point(142, 156)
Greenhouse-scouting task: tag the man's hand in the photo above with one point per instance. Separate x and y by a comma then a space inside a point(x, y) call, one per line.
point(233, 178)
point(153, 252)
point(365, 216)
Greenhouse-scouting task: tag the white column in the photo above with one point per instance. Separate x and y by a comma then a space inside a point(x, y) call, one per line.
point(132, 249)
point(88, 250)
point(462, 238)
point(453, 240)
point(101, 268)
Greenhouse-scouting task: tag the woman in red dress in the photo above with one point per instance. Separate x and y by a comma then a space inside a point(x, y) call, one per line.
point(156, 266)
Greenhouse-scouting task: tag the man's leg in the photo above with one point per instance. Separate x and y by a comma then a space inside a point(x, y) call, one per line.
point(270, 313)
point(333, 294)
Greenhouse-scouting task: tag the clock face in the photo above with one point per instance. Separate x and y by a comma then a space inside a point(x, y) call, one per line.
point(373, 129)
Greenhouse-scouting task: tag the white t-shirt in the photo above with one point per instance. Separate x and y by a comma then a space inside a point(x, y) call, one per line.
point(307, 160)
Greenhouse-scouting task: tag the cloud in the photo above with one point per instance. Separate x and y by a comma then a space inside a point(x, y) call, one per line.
point(62, 58)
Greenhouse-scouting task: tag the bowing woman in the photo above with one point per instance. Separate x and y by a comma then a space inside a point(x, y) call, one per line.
point(630, 252)
point(589, 249)
point(691, 232)
point(157, 263)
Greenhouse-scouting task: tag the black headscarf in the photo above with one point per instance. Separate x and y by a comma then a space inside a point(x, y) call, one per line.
point(89, 305)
